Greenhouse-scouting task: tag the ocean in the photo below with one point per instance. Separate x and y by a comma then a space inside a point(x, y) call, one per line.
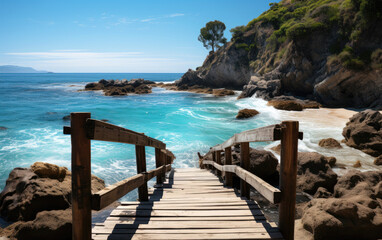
point(33, 106)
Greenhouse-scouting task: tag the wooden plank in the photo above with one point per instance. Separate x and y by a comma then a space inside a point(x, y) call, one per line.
point(112, 193)
point(244, 163)
point(271, 193)
point(102, 131)
point(199, 236)
point(81, 177)
point(159, 162)
point(288, 175)
point(130, 220)
point(228, 161)
point(141, 167)
point(103, 230)
point(264, 134)
point(190, 207)
point(183, 213)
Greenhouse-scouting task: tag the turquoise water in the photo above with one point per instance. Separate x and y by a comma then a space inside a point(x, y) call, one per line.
point(33, 105)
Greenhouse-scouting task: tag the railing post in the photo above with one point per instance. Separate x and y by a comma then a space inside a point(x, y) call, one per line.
point(288, 174)
point(228, 161)
point(158, 163)
point(218, 161)
point(81, 178)
point(141, 167)
point(244, 163)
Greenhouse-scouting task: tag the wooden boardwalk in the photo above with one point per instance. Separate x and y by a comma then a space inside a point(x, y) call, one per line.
point(191, 204)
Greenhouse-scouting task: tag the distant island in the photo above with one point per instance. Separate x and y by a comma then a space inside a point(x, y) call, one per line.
point(18, 69)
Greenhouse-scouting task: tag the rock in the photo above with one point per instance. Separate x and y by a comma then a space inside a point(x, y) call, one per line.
point(322, 193)
point(277, 149)
point(378, 161)
point(357, 164)
point(287, 105)
point(246, 113)
point(26, 194)
point(47, 225)
point(314, 171)
point(329, 143)
point(332, 161)
point(263, 163)
point(3, 128)
point(364, 132)
point(139, 81)
point(121, 87)
point(354, 211)
point(66, 118)
point(222, 92)
point(47, 170)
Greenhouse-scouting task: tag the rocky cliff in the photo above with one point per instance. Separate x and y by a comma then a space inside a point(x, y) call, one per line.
point(327, 50)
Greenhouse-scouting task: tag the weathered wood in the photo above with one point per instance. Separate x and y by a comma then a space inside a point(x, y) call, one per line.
point(81, 178)
point(271, 193)
point(220, 219)
point(288, 174)
point(158, 163)
point(141, 167)
point(112, 193)
point(199, 236)
point(98, 130)
point(244, 163)
point(228, 161)
point(263, 134)
point(219, 161)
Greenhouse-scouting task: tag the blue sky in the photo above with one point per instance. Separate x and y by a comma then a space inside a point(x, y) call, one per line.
point(114, 35)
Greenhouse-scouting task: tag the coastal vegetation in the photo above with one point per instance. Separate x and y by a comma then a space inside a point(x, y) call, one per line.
point(212, 35)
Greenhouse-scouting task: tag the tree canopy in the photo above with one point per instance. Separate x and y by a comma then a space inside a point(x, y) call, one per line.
point(212, 35)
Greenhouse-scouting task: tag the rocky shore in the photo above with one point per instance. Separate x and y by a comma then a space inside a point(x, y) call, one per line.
point(37, 202)
point(121, 87)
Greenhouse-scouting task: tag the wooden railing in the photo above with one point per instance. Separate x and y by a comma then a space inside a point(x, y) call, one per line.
point(83, 129)
point(289, 134)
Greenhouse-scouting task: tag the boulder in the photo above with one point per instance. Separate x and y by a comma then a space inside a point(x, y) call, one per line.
point(288, 105)
point(262, 163)
point(246, 113)
point(121, 87)
point(47, 225)
point(364, 132)
point(322, 193)
point(378, 161)
point(314, 171)
point(329, 143)
point(25, 193)
point(47, 170)
point(354, 211)
point(222, 92)
point(357, 164)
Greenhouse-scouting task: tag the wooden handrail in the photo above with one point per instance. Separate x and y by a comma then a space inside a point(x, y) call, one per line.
point(83, 129)
point(288, 133)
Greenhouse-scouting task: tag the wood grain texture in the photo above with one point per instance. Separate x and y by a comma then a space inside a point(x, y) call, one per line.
point(228, 161)
point(288, 175)
point(140, 154)
point(81, 177)
point(244, 163)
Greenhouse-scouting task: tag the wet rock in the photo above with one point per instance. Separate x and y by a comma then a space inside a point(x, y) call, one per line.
point(3, 128)
point(66, 118)
point(25, 193)
point(287, 105)
point(357, 164)
point(314, 171)
point(121, 87)
point(364, 132)
point(378, 161)
point(329, 143)
point(246, 113)
point(332, 161)
point(222, 92)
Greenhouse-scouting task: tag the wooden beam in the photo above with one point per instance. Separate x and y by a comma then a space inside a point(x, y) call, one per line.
point(288, 175)
point(81, 178)
point(228, 161)
point(141, 167)
point(158, 163)
point(112, 193)
point(102, 131)
point(244, 163)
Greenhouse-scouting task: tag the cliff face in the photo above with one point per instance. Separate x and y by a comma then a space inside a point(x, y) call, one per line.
point(326, 50)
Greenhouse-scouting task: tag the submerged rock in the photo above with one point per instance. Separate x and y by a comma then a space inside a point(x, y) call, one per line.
point(329, 143)
point(3, 128)
point(364, 132)
point(246, 113)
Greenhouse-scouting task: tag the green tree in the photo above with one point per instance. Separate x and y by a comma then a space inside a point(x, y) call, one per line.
point(212, 35)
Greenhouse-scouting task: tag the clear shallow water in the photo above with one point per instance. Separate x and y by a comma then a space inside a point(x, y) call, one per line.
point(32, 107)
